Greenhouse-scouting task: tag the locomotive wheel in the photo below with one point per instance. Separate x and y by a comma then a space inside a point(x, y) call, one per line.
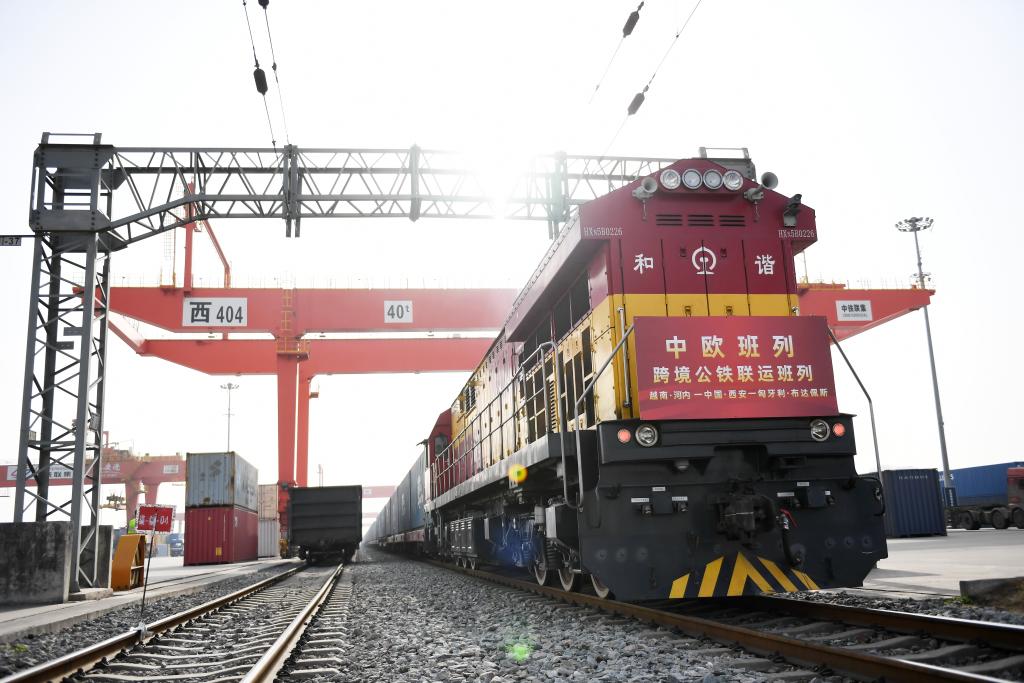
point(569, 579)
point(1018, 518)
point(1000, 519)
point(541, 573)
point(602, 590)
point(473, 563)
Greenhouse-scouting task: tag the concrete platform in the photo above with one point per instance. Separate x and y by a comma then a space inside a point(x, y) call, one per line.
point(167, 577)
point(934, 566)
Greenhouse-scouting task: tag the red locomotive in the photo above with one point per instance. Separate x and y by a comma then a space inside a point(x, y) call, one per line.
point(655, 415)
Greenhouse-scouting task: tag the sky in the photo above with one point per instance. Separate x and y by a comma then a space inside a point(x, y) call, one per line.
point(874, 111)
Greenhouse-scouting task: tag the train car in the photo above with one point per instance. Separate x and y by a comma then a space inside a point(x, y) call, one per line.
point(655, 415)
point(325, 522)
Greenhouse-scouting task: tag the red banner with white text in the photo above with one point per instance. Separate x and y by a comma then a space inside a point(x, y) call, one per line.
point(757, 366)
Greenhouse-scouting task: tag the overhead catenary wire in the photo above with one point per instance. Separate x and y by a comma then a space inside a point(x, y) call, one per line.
point(273, 67)
point(259, 76)
point(638, 99)
point(627, 29)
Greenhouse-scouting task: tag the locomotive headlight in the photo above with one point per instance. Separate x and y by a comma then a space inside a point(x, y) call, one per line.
point(732, 180)
point(647, 435)
point(712, 179)
point(670, 179)
point(691, 178)
point(819, 430)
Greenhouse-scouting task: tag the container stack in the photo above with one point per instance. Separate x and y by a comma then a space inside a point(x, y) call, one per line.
point(270, 522)
point(913, 503)
point(221, 523)
point(983, 484)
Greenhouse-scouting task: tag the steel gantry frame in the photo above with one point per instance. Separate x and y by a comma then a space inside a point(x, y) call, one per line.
point(91, 199)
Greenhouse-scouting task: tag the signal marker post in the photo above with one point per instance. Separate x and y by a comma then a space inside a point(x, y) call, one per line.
point(154, 518)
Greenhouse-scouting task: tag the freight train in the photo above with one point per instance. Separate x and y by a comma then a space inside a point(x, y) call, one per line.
point(325, 523)
point(655, 417)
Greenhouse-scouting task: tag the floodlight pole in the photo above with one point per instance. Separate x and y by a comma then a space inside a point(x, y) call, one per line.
point(916, 225)
point(230, 387)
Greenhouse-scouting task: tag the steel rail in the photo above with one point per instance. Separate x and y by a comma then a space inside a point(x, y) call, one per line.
point(266, 669)
point(858, 665)
point(1009, 636)
point(81, 660)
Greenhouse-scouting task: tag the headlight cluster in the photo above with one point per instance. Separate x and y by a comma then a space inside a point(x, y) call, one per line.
point(692, 179)
point(646, 435)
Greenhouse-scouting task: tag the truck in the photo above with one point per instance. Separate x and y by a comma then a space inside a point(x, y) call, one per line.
point(983, 502)
point(325, 522)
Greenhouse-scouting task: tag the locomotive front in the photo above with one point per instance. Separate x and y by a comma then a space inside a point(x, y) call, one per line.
point(670, 418)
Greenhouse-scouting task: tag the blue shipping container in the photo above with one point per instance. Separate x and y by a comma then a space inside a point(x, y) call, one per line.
point(913, 503)
point(982, 485)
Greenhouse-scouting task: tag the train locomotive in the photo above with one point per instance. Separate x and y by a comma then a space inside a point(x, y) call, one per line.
point(655, 417)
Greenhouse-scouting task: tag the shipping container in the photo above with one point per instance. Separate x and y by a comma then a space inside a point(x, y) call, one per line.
point(325, 520)
point(913, 503)
point(982, 485)
point(268, 501)
point(216, 535)
point(220, 480)
point(270, 537)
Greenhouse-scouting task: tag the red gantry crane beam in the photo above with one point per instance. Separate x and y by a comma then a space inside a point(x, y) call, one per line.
point(289, 316)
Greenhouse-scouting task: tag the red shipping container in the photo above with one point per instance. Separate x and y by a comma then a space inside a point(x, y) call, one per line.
point(220, 535)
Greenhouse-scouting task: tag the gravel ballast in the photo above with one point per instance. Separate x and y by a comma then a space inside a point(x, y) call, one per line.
point(409, 621)
point(36, 649)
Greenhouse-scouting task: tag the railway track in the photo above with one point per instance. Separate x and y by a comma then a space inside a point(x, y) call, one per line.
point(249, 635)
point(823, 639)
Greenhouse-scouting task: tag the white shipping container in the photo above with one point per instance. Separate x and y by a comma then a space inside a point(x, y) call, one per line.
point(268, 501)
point(220, 480)
point(270, 534)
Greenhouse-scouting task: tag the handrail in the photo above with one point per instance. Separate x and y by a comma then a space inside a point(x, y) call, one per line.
point(525, 365)
point(589, 388)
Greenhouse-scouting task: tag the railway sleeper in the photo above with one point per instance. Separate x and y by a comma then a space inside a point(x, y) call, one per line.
point(947, 652)
point(891, 643)
point(748, 663)
point(314, 673)
point(995, 665)
point(859, 635)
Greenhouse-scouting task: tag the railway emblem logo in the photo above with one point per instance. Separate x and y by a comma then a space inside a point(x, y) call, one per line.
point(704, 260)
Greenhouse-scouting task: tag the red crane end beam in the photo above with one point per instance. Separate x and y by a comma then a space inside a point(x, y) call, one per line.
point(852, 311)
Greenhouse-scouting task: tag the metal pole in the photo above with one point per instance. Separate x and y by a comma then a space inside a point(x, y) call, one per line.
point(871, 405)
point(229, 386)
point(947, 480)
point(83, 421)
point(26, 400)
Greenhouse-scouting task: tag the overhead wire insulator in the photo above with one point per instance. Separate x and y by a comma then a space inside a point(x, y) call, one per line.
point(630, 22)
point(638, 100)
point(261, 80)
point(264, 3)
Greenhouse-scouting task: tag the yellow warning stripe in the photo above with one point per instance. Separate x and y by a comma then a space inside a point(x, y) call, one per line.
point(710, 579)
point(679, 587)
point(743, 571)
point(806, 580)
point(779, 575)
